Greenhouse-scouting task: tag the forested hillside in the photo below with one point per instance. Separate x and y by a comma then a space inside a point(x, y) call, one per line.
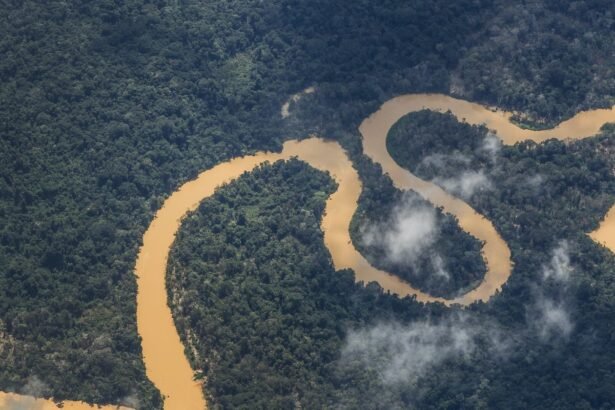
point(107, 106)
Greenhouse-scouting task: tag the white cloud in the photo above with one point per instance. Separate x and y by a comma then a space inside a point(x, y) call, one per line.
point(550, 315)
point(466, 184)
point(438, 265)
point(402, 353)
point(466, 181)
point(535, 181)
point(553, 319)
point(132, 400)
point(492, 146)
point(33, 389)
point(441, 161)
point(559, 269)
point(411, 229)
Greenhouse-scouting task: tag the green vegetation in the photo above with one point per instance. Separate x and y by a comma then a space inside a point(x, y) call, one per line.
point(267, 311)
point(545, 60)
point(435, 145)
point(271, 318)
point(447, 263)
point(107, 106)
point(540, 193)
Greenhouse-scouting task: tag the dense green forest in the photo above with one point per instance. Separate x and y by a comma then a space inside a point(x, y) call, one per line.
point(274, 326)
point(403, 234)
point(538, 194)
point(107, 106)
point(268, 312)
point(435, 145)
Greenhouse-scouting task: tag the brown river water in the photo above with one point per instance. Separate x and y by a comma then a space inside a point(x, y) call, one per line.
point(165, 361)
point(584, 124)
point(11, 401)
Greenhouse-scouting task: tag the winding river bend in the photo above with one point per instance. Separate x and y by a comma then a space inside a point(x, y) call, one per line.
point(165, 362)
point(375, 129)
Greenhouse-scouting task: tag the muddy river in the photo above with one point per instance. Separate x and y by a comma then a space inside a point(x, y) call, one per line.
point(165, 361)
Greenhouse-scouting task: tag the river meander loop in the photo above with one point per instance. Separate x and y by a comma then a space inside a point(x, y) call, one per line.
point(165, 362)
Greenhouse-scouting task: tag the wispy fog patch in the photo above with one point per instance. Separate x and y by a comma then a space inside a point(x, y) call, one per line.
point(455, 171)
point(466, 184)
point(34, 388)
point(534, 182)
point(411, 229)
point(440, 161)
point(550, 314)
point(552, 319)
point(559, 269)
point(403, 353)
point(132, 400)
point(438, 266)
point(492, 146)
